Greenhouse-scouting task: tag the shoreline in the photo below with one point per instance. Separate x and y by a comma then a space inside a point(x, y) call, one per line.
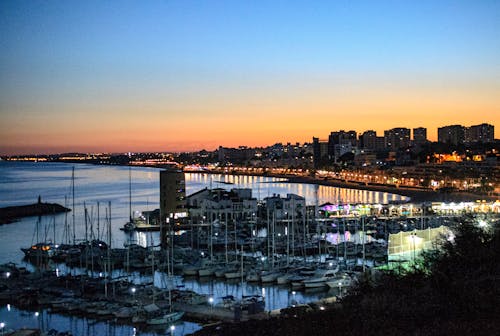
point(417, 195)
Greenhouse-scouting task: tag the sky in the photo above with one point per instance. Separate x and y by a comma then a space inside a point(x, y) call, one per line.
point(119, 76)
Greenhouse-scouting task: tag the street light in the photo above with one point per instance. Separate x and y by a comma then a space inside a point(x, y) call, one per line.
point(2, 326)
point(172, 329)
point(133, 289)
point(211, 301)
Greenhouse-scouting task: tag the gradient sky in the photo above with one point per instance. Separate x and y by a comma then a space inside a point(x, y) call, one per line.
point(119, 76)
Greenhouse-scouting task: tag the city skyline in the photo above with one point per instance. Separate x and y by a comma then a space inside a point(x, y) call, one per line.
point(186, 76)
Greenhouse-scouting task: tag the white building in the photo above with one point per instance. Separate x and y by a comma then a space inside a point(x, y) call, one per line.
point(220, 204)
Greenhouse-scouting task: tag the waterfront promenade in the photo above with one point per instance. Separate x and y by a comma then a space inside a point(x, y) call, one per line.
point(416, 194)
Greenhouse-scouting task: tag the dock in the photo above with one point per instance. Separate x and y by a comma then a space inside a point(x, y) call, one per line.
point(206, 313)
point(212, 313)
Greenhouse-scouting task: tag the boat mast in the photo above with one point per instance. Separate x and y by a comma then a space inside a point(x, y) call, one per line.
point(66, 227)
point(98, 233)
point(293, 227)
point(73, 209)
point(287, 240)
point(364, 242)
point(130, 192)
point(273, 238)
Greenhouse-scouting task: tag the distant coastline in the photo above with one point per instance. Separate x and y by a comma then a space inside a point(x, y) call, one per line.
point(13, 213)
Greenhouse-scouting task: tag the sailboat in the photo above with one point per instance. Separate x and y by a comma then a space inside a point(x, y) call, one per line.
point(39, 251)
point(130, 226)
point(171, 316)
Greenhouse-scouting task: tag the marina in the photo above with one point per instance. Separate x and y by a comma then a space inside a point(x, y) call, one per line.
point(87, 268)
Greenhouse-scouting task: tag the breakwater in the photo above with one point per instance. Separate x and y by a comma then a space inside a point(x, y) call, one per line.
point(12, 213)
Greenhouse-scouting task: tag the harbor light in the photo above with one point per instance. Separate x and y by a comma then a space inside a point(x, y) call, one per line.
point(36, 314)
point(172, 327)
point(321, 308)
point(211, 301)
point(133, 292)
point(7, 274)
point(8, 306)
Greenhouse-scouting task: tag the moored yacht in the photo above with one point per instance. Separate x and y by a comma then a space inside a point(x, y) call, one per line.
point(320, 278)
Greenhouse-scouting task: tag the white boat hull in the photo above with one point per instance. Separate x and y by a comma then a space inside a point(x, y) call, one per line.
point(166, 319)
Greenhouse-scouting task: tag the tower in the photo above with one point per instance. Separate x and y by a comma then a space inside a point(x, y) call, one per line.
point(172, 200)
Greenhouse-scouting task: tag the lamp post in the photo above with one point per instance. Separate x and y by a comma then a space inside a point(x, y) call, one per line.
point(172, 329)
point(133, 289)
point(211, 301)
point(2, 326)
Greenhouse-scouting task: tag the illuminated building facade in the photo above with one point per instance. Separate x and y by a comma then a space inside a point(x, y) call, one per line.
point(419, 135)
point(397, 138)
point(454, 134)
point(482, 133)
point(172, 199)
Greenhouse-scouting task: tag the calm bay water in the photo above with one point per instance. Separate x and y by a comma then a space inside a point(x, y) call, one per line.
point(104, 190)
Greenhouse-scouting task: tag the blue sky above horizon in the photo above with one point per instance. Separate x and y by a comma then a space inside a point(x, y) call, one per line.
point(94, 75)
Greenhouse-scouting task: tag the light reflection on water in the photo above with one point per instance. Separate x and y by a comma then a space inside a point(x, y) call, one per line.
point(21, 183)
point(267, 186)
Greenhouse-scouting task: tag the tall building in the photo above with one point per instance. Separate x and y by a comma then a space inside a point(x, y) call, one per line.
point(370, 140)
point(419, 135)
point(397, 138)
point(480, 133)
point(320, 153)
point(341, 142)
point(453, 134)
point(172, 199)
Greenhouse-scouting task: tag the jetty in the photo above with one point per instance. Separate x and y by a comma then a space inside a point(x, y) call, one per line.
point(12, 213)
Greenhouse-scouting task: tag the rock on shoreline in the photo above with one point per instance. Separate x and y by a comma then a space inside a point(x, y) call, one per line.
point(13, 213)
